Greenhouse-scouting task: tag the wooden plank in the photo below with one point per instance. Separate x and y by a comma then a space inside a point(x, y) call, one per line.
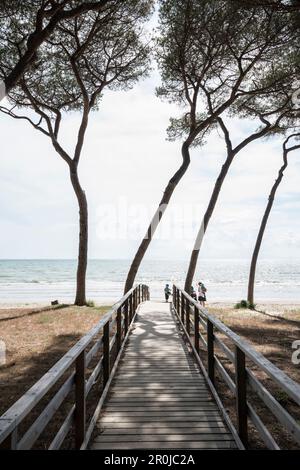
point(159, 394)
point(157, 410)
point(165, 437)
point(41, 422)
point(80, 401)
point(281, 414)
point(162, 414)
point(162, 405)
point(210, 352)
point(159, 380)
point(241, 395)
point(63, 431)
point(198, 385)
point(205, 417)
point(149, 395)
point(11, 441)
point(159, 399)
point(204, 445)
point(153, 387)
point(188, 373)
point(106, 354)
point(172, 428)
point(94, 376)
point(185, 431)
point(262, 430)
point(159, 367)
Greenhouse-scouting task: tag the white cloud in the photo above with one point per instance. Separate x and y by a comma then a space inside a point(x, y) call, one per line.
point(126, 155)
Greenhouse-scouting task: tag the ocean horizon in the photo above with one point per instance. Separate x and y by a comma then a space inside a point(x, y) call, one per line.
point(45, 280)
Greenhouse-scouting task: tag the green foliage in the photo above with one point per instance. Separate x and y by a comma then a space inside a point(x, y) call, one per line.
point(107, 48)
point(245, 305)
point(214, 53)
point(90, 303)
point(180, 127)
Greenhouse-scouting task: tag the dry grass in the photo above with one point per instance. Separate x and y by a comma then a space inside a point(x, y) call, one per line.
point(35, 340)
point(272, 335)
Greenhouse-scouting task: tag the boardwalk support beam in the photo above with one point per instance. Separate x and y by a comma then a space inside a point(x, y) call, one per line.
point(241, 395)
point(210, 351)
point(106, 355)
point(80, 400)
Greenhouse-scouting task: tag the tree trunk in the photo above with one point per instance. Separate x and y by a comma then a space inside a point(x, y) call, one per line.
point(209, 211)
point(157, 217)
point(83, 237)
point(263, 228)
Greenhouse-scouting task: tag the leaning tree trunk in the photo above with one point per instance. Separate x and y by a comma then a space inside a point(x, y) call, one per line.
point(209, 211)
point(83, 237)
point(263, 228)
point(157, 217)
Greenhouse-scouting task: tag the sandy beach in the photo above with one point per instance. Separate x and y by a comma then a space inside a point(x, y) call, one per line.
point(278, 308)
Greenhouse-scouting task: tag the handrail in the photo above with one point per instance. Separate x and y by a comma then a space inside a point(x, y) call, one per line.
point(80, 357)
point(289, 385)
point(183, 304)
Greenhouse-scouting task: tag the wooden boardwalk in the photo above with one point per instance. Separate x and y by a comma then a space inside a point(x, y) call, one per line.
point(158, 398)
point(148, 393)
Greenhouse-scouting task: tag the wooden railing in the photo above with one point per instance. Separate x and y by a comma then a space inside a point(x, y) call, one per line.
point(202, 328)
point(88, 366)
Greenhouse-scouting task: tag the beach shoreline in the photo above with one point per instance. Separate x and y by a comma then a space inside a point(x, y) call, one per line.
point(271, 307)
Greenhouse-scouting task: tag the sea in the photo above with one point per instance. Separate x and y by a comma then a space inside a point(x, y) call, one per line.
point(42, 281)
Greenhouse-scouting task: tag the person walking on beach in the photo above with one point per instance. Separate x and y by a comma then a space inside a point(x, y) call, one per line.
point(167, 292)
point(193, 293)
point(202, 293)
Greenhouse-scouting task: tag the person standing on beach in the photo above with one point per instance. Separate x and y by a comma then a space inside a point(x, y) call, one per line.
point(193, 293)
point(167, 292)
point(202, 293)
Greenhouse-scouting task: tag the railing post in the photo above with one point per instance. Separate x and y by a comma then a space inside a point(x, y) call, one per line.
point(126, 316)
point(241, 395)
point(131, 306)
point(106, 353)
point(196, 324)
point(10, 443)
point(174, 296)
point(178, 301)
point(129, 309)
point(134, 300)
point(119, 328)
point(210, 351)
point(80, 401)
point(182, 307)
point(188, 327)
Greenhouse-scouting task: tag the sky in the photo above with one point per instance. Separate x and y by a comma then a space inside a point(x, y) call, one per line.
point(124, 168)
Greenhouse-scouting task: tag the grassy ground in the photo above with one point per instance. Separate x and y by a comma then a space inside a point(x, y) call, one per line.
point(35, 340)
point(272, 335)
